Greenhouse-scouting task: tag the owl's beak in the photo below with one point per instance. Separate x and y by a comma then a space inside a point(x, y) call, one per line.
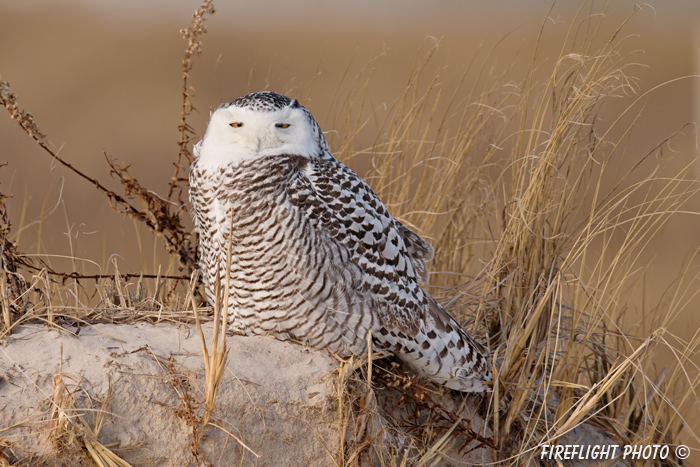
point(265, 141)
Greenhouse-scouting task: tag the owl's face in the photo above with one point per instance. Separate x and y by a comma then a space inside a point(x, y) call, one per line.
point(257, 125)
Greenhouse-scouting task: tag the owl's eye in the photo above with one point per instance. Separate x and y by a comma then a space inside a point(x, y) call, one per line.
point(236, 124)
point(282, 125)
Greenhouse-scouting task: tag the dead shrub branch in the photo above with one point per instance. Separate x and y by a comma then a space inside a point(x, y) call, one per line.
point(187, 133)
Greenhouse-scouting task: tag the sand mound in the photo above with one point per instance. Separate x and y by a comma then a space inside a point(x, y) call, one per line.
point(277, 397)
point(278, 404)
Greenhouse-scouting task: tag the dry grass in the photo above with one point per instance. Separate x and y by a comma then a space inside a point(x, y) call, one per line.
point(548, 289)
point(534, 254)
point(215, 362)
point(69, 430)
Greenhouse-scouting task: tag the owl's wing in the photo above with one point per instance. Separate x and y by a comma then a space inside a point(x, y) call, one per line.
point(337, 197)
point(391, 257)
point(419, 251)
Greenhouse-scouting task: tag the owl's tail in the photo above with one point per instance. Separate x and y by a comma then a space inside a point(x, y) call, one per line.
point(443, 352)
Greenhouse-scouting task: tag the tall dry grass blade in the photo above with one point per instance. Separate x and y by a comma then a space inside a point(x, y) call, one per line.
point(343, 408)
point(370, 354)
point(61, 403)
point(238, 440)
point(214, 361)
point(6, 316)
point(118, 285)
point(588, 404)
point(198, 324)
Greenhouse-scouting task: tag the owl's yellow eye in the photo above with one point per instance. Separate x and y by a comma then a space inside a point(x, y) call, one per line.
point(236, 124)
point(282, 125)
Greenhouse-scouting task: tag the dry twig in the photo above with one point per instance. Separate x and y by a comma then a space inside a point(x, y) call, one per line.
point(194, 47)
point(162, 222)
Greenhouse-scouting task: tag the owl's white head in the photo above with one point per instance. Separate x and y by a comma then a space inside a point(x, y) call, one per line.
point(260, 124)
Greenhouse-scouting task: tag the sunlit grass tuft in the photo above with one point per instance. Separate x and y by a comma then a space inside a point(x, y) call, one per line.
point(536, 249)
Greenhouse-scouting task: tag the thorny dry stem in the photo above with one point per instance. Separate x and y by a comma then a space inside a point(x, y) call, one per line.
point(194, 47)
point(161, 221)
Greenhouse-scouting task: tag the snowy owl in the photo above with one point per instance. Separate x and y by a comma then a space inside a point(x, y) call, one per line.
point(315, 254)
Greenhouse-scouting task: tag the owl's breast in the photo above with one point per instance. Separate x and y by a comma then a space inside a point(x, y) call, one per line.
point(251, 207)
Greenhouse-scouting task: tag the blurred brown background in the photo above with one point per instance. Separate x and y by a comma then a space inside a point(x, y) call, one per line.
point(104, 76)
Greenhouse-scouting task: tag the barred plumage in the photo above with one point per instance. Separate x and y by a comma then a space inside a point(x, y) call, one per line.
point(315, 253)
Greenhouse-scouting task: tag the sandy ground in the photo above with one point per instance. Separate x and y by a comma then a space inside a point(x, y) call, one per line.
point(276, 397)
